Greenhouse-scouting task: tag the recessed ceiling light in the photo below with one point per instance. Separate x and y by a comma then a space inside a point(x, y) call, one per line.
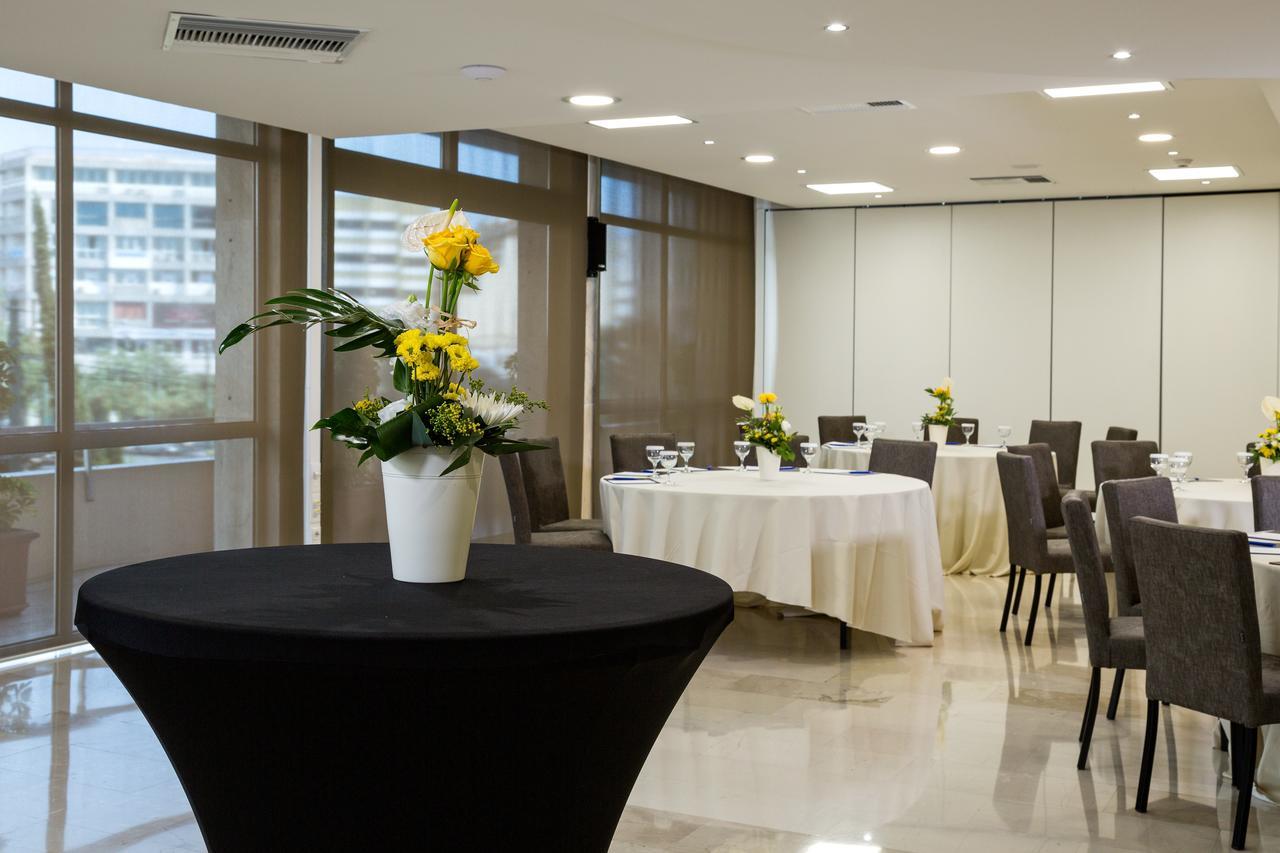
point(802, 171)
point(1155, 137)
point(1135, 115)
point(945, 149)
point(878, 195)
point(483, 72)
point(1194, 173)
point(644, 121)
point(836, 27)
point(708, 142)
point(1106, 89)
point(1206, 182)
point(1173, 153)
point(591, 100)
point(851, 188)
point(759, 158)
point(1122, 55)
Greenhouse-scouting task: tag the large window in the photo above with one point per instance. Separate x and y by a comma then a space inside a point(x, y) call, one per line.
point(122, 437)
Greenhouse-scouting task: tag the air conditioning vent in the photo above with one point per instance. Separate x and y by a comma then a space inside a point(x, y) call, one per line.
point(863, 107)
point(1012, 179)
point(263, 39)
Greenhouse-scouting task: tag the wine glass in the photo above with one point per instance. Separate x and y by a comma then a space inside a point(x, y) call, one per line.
point(668, 458)
point(1178, 468)
point(809, 451)
point(859, 430)
point(917, 429)
point(1160, 463)
point(741, 449)
point(653, 452)
point(1004, 432)
point(880, 428)
point(967, 429)
point(1186, 457)
point(685, 449)
point(1245, 460)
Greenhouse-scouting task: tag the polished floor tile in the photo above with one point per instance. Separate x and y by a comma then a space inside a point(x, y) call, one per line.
point(781, 743)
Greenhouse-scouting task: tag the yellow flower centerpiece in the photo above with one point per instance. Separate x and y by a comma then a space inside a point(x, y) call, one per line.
point(1266, 449)
point(769, 431)
point(940, 420)
point(426, 440)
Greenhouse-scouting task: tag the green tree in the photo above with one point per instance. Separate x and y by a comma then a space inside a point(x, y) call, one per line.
point(45, 299)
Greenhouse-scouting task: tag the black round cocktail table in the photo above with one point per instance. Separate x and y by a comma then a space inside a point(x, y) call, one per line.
point(310, 702)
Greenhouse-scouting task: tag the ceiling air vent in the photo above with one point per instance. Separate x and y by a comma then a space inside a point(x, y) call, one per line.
point(863, 107)
point(264, 39)
point(1013, 179)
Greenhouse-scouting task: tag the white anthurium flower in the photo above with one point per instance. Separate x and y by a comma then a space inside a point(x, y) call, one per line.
point(744, 403)
point(1271, 407)
point(392, 409)
point(490, 408)
point(424, 226)
point(786, 426)
point(411, 313)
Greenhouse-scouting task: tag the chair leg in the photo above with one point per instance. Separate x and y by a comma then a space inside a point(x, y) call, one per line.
point(1235, 754)
point(1017, 593)
point(1244, 797)
point(1223, 743)
point(1090, 714)
point(1035, 605)
point(1048, 593)
point(1008, 597)
point(1115, 695)
point(844, 635)
point(1148, 755)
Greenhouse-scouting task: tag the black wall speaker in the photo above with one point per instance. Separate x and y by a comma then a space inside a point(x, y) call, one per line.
point(595, 246)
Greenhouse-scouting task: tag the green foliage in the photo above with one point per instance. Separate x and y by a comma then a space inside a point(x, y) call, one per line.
point(17, 496)
point(310, 306)
point(48, 306)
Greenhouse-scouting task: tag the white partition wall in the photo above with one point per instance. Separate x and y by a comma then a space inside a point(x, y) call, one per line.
point(1220, 323)
point(1001, 301)
point(1106, 318)
point(902, 340)
point(813, 281)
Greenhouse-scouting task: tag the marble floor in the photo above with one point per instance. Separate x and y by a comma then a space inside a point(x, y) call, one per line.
point(781, 743)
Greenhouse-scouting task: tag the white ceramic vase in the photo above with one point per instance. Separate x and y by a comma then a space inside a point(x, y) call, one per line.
point(769, 464)
point(1269, 468)
point(430, 514)
point(938, 433)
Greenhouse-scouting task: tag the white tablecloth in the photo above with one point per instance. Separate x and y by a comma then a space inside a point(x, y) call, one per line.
point(861, 548)
point(1223, 504)
point(1266, 585)
point(972, 532)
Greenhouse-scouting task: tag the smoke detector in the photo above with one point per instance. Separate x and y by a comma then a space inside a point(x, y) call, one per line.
point(262, 39)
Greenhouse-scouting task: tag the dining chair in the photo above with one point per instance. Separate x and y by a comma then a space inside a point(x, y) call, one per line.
point(955, 435)
point(1116, 433)
point(907, 458)
point(545, 490)
point(1123, 501)
point(1122, 460)
point(1047, 481)
point(838, 427)
point(521, 523)
point(627, 449)
point(1114, 642)
point(1063, 438)
point(796, 441)
point(1030, 549)
point(1266, 502)
point(1204, 652)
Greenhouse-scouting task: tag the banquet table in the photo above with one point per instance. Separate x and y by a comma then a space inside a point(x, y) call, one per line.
point(1266, 583)
point(308, 701)
point(1222, 504)
point(972, 532)
point(860, 547)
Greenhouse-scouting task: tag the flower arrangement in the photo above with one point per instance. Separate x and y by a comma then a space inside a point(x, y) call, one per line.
point(1267, 447)
point(945, 412)
point(770, 429)
point(444, 405)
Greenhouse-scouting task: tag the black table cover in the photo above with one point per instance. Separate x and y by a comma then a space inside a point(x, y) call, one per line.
point(310, 702)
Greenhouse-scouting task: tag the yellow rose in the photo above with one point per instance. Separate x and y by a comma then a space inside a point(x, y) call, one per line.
point(479, 261)
point(445, 248)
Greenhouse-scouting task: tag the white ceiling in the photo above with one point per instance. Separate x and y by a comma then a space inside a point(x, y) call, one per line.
point(741, 69)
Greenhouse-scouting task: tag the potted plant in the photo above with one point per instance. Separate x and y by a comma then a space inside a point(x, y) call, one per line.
point(940, 420)
point(17, 496)
point(770, 432)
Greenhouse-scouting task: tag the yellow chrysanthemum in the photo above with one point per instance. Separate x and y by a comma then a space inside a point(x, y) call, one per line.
point(768, 397)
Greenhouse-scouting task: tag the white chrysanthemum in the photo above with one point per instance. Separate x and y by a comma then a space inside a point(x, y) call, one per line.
point(744, 403)
point(412, 314)
point(392, 409)
point(490, 409)
point(425, 226)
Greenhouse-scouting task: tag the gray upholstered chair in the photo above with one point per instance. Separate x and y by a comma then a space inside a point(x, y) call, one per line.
point(796, 441)
point(1049, 494)
point(1030, 549)
point(1123, 501)
point(627, 449)
point(1266, 503)
point(955, 435)
point(1114, 643)
point(908, 458)
point(1122, 460)
point(1121, 434)
point(1063, 438)
point(521, 524)
point(838, 427)
point(544, 486)
point(1203, 648)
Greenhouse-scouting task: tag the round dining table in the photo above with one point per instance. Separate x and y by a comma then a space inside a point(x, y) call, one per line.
point(862, 548)
point(1221, 504)
point(308, 701)
point(972, 532)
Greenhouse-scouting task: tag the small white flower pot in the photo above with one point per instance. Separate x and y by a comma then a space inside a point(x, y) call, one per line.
point(938, 433)
point(1269, 468)
point(430, 516)
point(769, 464)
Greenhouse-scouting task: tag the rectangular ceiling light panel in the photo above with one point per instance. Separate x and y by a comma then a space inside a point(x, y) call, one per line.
point(851, 188)
point(646, 121)
point(1195, 173)
point(1107, 89)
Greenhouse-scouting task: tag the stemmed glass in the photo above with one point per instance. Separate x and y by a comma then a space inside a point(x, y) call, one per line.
point(859, 430)
point(668, 458)
point(1004, 432)
point(685, 449)
point(917, 429)
point(967, 429)
point(809, 451)
point(741, 449)
point(1178, 469)
point(1160, 464)
point(653, 452)
point(1245, 460)
point(1184, 458)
